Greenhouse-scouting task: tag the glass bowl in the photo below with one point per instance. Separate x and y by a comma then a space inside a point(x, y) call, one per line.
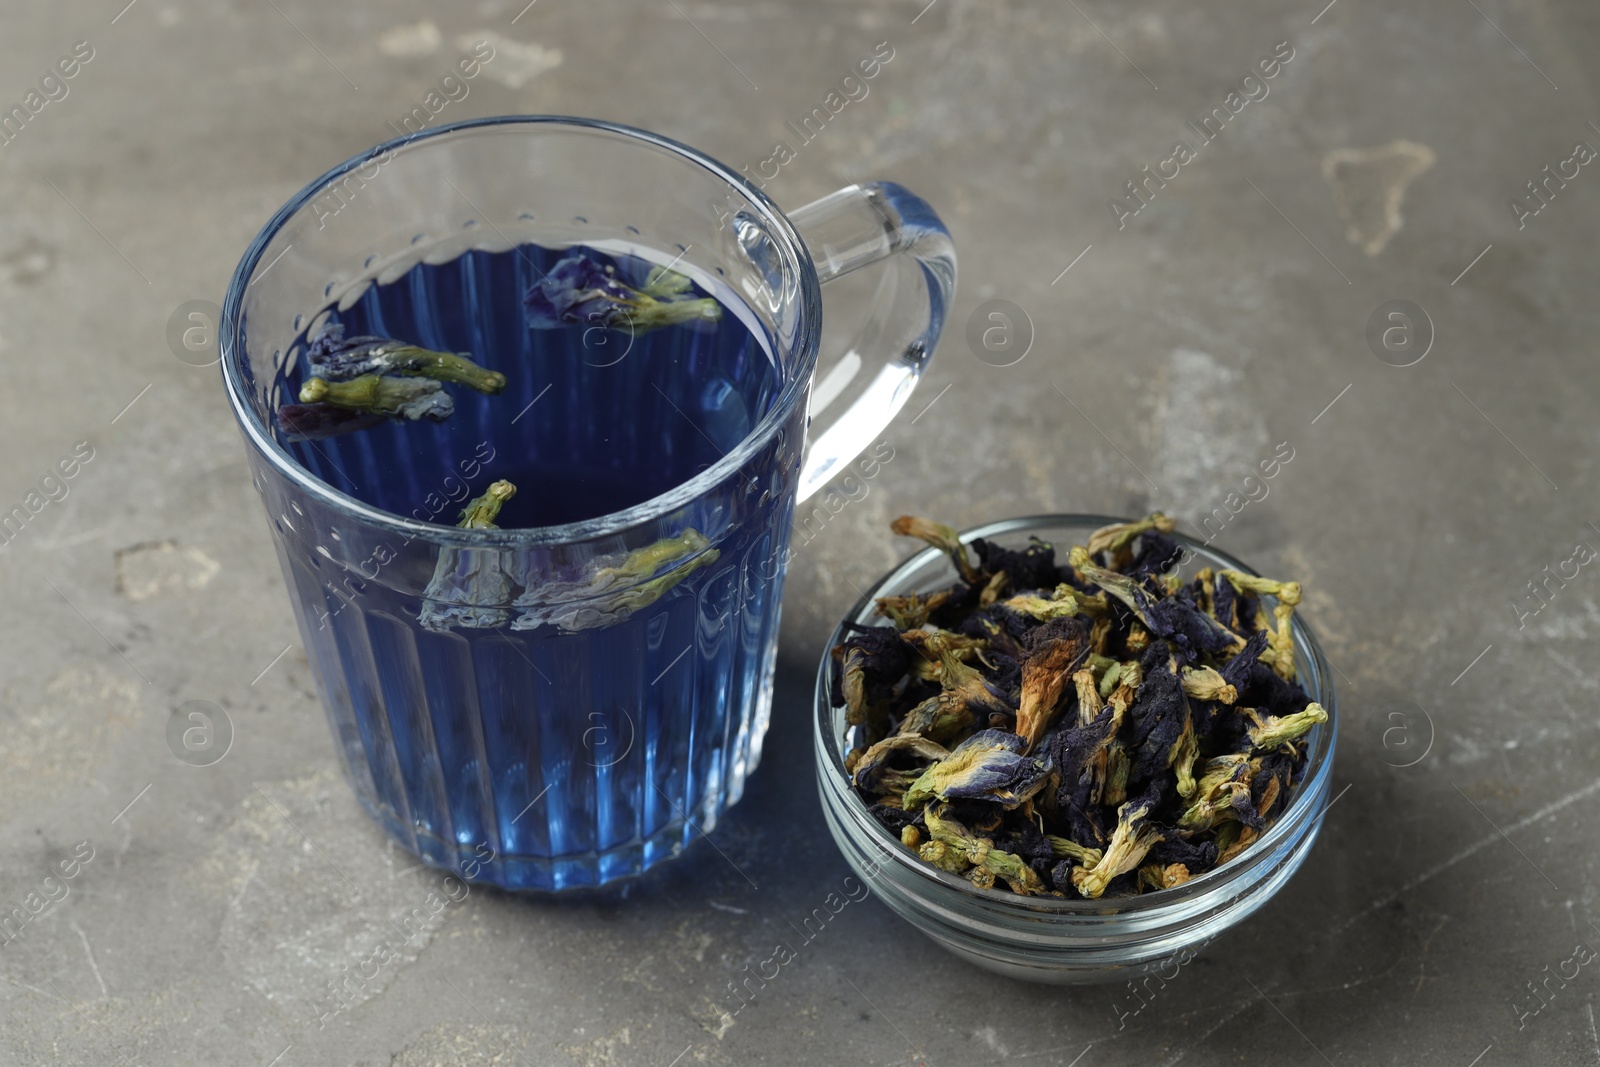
point(1047, 939)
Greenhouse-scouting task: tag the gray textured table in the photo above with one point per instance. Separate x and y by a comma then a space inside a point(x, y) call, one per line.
point(1189, 337)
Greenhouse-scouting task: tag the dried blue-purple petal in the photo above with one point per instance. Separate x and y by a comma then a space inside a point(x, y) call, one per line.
point(585, 290)
point(313, 422)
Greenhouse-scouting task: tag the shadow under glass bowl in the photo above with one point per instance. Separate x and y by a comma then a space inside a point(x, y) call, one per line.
point(1047, 939)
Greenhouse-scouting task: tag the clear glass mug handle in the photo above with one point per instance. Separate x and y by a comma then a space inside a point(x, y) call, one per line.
point(845, 231)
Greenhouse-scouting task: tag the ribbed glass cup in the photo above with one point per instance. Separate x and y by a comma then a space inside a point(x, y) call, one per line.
point(1045, 939)
point(580, 722)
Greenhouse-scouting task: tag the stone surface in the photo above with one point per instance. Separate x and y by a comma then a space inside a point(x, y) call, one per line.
point(1227, 314)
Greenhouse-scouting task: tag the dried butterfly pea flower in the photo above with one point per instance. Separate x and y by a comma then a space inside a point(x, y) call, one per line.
point(913, 610)
point(873, 661)
point(1100, 634)
point(988, 765)
point(583, 290)
point(1170, 876)
point(1069, 849)
point(1197, 856)
point(1119, 535)
point(942, 856)
point(1065, 603)
point(1089, 697)
point(471, 586)
point(608, 594)
point(1280, 635)
point(872, 772)
point(1165, 617)
point(1236, 673)
point(382, 394)
point(981, 853)
point(929, 646)
point(313, 422)
point(1132, 838)
point(1271, 731)
point(358, 382)
point(966, 694)
point(1247, 836)
point(1158, 554)
point(941, 537)
point(1207, 683)
point(337, 358)
point(1045, 674)
point(1173, 682)
point(1204, 598)
point(1158, 716)
point(1032, 568)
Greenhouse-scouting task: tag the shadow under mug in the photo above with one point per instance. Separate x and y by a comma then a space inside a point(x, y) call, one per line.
point(594, 718)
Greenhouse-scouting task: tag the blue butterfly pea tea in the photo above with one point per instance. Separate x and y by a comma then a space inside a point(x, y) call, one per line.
point(1088, 728)
point(439, 377)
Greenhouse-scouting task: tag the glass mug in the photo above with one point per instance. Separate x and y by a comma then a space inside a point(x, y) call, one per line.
point(590, 726)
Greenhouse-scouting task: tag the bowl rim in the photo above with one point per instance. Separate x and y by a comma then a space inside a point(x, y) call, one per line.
point(1319, 757)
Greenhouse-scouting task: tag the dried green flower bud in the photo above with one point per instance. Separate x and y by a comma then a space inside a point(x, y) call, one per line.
point(910, 836)
point(1138, 638)
point(1272, 731)
point(872, 773)
point(1121, 534)
point(481, 513)
point(1109, 680)
point(1117, 764)
point(982, 853)
point(1158, 877)
point(381, 394)
point(1066, 848)
point(911, 611)
point(1063, 603)
point(1286, 592)
point(991, 589)
point(1184, 753)
point(1206, 683)
point(943, 856)
point(1225, 778)
point(941, 537)
point(1129, 843)
point(952, 711)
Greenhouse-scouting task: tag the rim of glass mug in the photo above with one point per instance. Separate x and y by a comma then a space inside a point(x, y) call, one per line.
point(1316, 676)
point(803, 350)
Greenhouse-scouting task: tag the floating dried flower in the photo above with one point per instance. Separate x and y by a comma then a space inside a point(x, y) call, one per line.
point(584, 290)
point(390, 396)
point(338, 358)
point(609, 594)
point(471, 586)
